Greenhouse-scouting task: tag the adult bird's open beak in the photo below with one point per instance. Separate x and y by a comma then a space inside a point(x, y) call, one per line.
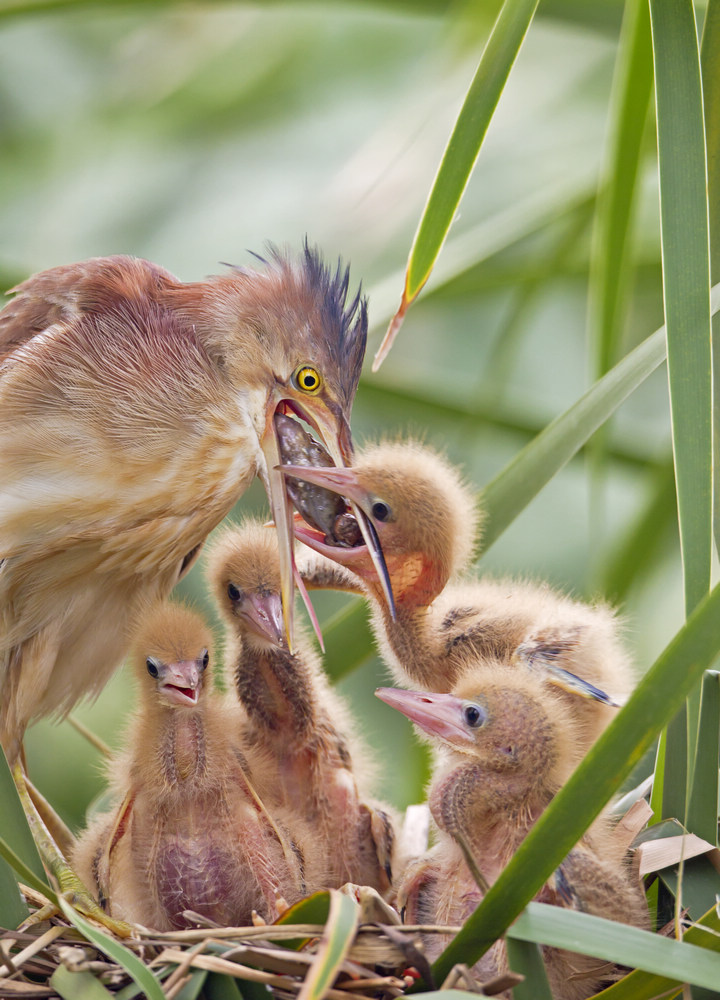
point(439, 715)
point(334, 432)
point(345, 482)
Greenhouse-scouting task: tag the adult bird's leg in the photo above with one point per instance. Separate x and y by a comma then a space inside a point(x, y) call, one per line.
point(68, 883)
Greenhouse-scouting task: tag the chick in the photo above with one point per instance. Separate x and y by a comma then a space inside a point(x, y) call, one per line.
point(297, 731)
point(189, 833)
point(506, 743)
point(427, 519)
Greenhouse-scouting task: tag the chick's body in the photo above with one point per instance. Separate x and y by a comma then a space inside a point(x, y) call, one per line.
point(506, 743)
point(306, 763)
point(188, 834)
point(134, 411)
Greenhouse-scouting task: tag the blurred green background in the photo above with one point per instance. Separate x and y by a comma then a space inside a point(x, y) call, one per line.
point(190, 134)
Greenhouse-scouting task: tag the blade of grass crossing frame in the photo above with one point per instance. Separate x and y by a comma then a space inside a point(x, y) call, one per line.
point(616, 199)
point(525, 958)
point(686, 283)
point(657, 697)
point(461, 153)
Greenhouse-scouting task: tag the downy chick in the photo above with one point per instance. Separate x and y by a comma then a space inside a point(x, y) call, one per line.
point(188, 834)
point(426, 519)
point(506, 743)
point(297, 731)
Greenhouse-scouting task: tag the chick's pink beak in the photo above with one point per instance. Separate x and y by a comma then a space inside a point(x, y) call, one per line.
point(439, 715)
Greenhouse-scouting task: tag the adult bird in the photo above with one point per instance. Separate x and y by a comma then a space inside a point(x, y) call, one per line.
point(135, 409)
point(506, 743)
point(303, 757)
point(189, 832)
point(426, 519)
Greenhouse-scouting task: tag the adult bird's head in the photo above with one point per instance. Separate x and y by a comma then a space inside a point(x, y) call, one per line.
point(294, 339)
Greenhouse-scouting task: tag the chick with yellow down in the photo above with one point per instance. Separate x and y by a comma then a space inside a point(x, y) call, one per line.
point(427, 521)
point(306, 763)
point(189, 833)
point(506, 742)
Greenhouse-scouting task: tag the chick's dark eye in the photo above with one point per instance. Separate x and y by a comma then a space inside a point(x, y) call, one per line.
point(473, 716)
point(233, 592)
point(205, 659)
point(380, 510)
point(153, 667)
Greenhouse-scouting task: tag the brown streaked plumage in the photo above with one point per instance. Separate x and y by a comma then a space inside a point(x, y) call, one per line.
point(134, 411)
point(426, 520)
point(189, 833)
point(506, 743)
point(305, 761)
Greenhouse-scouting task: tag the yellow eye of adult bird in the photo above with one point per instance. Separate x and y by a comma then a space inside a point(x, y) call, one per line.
point(307, 378)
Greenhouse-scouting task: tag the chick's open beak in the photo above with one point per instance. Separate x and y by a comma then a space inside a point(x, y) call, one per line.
point(345, 482)
point(334, 431)
point(179, 683)
point(439, 715)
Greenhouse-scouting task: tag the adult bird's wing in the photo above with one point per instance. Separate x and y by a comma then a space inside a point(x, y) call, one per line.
point(63, 294)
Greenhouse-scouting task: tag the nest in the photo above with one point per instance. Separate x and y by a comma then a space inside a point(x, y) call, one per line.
point(53, 959)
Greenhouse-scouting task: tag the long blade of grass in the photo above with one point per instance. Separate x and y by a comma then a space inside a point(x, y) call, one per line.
point(645, 986)
point(686, 282)
point(461, 153)
point(615, 942)
point(615, 206)
point(658, 695)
